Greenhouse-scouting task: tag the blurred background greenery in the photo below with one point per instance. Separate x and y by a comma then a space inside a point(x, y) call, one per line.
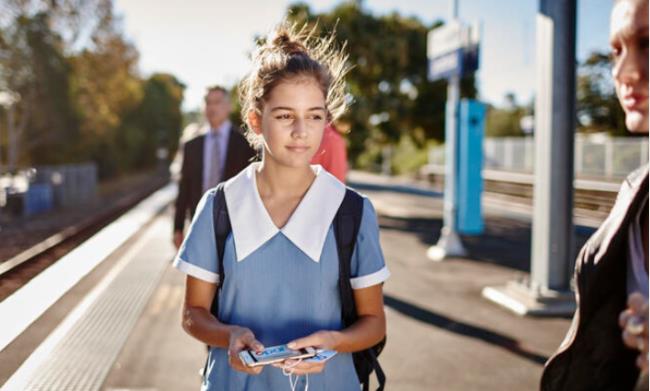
point(77, 95)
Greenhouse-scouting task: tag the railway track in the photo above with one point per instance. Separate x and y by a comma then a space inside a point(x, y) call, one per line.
point(590, 198)
point(24, 266)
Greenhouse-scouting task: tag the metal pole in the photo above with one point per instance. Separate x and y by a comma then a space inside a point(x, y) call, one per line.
point(11, 140)
point(547, 291)
point(552, 241)
point(449, 244)
point(1, 140)
point(454, 9)
point(451, 166)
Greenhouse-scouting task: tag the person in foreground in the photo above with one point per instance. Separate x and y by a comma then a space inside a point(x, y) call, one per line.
point(280, 278)
point(606, 347)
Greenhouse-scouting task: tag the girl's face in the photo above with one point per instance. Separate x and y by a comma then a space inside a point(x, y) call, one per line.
point(629, 42)
point(292, 122)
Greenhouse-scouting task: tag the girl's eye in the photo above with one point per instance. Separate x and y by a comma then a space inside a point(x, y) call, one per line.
point(316, 117)
point(283, 117)
point(615, 53)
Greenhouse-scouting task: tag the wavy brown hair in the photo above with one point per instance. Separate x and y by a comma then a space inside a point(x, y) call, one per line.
point(290, 52)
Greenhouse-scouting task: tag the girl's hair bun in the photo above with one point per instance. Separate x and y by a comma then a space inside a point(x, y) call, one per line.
point(283, 41)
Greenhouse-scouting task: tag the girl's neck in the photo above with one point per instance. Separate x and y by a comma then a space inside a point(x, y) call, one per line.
point(274, 179)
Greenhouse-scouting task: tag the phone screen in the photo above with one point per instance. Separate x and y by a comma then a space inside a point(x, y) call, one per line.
point(280, 352)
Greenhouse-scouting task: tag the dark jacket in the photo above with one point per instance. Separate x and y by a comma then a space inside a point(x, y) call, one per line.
point(239, 154)
point(592, 355)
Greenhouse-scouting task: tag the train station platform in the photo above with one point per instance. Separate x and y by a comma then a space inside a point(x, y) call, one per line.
point(118, 327)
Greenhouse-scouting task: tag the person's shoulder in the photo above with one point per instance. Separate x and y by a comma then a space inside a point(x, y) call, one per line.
point(237, 134)
point(637, 176)
point(194, 141)
point(211, 194)
point(239, 140)
point(236, 130)
point(632, 184)
point(366, 205)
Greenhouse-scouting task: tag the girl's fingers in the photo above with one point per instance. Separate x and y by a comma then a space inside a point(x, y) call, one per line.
point(302, 367)
point(308, 341)
point(319, 339)
point(309, 370)
point(250, 342)
point(624, 317)
point(637, 303)
point(630, 339)
point(236, 364)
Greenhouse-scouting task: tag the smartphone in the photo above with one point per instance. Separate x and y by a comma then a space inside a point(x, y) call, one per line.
point(274, 354)
point(321, 356)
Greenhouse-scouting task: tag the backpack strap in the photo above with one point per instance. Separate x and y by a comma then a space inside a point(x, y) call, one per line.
point(222, 229)
point(381, 376)
point(346, 227)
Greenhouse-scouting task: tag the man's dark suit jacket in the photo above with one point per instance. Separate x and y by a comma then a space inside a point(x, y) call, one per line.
point(238, 155)
point(592, 356)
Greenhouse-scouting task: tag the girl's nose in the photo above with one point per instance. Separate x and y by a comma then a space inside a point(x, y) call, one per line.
point(626, 70)
point(299, 128)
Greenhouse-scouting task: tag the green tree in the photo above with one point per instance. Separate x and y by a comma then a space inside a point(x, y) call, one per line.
point(36, 37)
point(597, 106)
point(107, 89)
point(49, 117)
point(388, 82)
point(156, 123)
point(506, 121)
point(80, 95)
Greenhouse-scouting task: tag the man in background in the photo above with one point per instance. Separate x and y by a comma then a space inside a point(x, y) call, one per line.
point(217, 154)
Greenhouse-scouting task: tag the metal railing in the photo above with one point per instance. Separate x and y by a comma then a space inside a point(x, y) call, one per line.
point(595, 156)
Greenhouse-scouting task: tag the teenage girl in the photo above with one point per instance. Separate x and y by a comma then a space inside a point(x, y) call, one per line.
point(281, 262)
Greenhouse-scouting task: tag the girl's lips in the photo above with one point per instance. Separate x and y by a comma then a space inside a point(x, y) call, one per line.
point(634, 101)
point(297, 148)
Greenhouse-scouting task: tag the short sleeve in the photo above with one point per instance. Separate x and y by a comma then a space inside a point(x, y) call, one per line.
point(197, 255)
point(368, 267)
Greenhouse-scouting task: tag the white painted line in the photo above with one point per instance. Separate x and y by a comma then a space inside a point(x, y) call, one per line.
point(28, 303)
point(504, 300)
point(20, 378)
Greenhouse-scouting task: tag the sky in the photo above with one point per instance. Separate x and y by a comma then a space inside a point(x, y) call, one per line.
point(206, 42)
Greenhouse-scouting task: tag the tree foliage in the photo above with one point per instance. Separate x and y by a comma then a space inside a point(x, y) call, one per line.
point(80, 96)
point(597, 105)
point(506, 121)
point(388, 83)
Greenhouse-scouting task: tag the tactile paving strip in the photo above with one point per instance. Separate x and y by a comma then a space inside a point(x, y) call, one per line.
point(82, 359)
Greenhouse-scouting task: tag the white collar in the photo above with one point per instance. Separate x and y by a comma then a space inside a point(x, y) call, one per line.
point(307, 227)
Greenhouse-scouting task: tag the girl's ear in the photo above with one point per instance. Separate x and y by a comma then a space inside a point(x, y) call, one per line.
point(255, 122)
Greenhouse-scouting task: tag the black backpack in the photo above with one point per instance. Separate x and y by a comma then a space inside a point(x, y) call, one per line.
point(346, 227)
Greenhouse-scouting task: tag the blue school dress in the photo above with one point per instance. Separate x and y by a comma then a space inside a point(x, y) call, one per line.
point(282, 284)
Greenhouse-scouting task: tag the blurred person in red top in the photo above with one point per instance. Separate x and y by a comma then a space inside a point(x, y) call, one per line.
point(332, 153)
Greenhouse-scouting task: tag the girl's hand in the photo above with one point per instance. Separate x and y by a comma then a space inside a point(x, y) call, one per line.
point(318, 340)
point(634, 322)
point(242, 338)
point(297, 367)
